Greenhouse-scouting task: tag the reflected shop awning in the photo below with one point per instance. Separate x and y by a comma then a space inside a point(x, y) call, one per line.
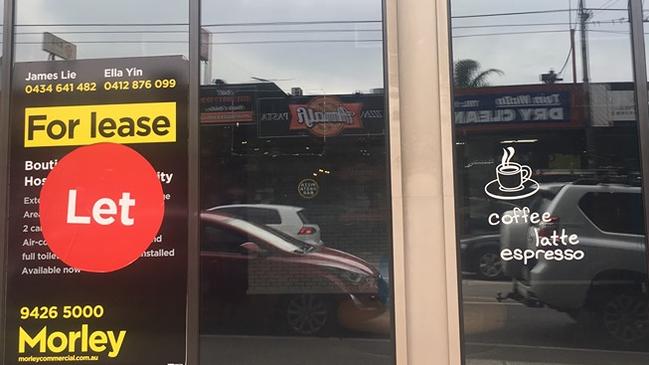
point(278, 114)
point(228, 104)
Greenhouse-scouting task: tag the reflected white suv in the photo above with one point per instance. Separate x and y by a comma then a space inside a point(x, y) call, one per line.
point(288, 219)
point(608, 286)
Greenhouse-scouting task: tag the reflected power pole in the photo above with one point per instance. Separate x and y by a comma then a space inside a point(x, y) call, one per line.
point(584, 16)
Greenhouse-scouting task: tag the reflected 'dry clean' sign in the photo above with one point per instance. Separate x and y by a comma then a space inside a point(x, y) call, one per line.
point(534, 105)
point(97, 253)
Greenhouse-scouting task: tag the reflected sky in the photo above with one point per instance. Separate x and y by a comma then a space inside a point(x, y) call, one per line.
point(323, 47)
point(337, 48)
point(524, 46)
point(103, 28)
point(333, 46)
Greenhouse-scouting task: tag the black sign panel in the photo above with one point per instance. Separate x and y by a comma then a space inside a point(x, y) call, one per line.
point(60, 314)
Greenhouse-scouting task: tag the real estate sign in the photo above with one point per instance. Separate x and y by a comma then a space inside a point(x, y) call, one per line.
point(97, 247)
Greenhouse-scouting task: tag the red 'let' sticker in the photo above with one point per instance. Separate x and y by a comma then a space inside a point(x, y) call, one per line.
point(101, 207)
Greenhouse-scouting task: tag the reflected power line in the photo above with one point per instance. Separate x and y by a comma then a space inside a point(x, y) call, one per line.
point(223, 43)
point(486, 15)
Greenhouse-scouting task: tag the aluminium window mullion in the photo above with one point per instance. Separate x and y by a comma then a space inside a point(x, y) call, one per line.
point(641, 95)
point(193, 199)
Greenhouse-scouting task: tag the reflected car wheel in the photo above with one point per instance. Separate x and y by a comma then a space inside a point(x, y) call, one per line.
point(308, 314)
point(489, 265)
point(625, 316)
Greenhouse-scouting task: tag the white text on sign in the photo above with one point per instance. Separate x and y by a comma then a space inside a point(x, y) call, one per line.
point(103, 211)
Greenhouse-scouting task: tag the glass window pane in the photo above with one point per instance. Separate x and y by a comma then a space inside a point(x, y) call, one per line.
point(551, 239)
point(293, 125)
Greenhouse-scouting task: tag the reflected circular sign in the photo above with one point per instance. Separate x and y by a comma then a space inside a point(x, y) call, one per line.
point(308, 188)
point(101, 207)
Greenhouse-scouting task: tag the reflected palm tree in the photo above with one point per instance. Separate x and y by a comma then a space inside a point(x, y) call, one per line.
point(467, 73)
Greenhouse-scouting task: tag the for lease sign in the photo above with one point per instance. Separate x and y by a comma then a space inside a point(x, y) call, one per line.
point(97, 253)
point(88, 124)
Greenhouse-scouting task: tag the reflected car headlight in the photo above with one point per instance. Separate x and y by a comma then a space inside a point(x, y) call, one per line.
point(350, 276)
point(353, 277)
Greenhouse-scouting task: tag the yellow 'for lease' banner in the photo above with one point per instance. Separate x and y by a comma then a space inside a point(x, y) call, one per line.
point(78, 125)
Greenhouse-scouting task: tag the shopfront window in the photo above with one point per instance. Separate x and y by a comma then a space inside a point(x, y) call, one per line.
point(294, 183)
point(551, 220)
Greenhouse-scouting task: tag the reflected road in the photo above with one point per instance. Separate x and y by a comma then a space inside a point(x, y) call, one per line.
point(502, 333)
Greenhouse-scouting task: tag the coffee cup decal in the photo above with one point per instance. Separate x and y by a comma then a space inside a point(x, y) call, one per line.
point(511, 176)
point(513, 180)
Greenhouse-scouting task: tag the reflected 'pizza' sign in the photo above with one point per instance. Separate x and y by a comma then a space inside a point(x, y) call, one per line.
point(325, 117)
point(321, 116)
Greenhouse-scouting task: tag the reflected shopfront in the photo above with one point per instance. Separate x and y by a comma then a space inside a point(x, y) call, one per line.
point(289, 182)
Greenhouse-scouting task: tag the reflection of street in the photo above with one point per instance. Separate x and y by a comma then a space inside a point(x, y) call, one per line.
point(505, 333)
point(294, 350)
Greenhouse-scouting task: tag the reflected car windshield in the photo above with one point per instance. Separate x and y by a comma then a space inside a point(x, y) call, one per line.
point(276, 238)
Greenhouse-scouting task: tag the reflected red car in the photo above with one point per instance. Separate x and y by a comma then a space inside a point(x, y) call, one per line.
point(255, 279)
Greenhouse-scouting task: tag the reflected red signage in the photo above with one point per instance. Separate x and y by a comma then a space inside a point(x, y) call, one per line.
point(325, 116)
